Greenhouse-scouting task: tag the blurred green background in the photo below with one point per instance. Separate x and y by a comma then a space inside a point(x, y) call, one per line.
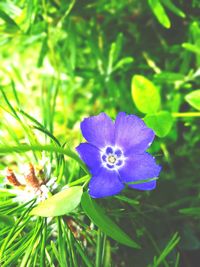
point(62, 61)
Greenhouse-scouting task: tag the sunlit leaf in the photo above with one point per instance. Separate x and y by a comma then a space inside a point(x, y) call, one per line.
point(122, 62)
point(169, 77)
point(8, 20)
point(145, 94)
point(193, 99)
point(170, 5)
point(160, 13)
point(59, 204)
point(97, 215)
point(192, 48)
point(160, 122)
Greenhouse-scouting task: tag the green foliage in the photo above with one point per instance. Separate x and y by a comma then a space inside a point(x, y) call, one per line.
point(160, 13)
point(145, 94)
point(6, 221)
point(147, 99)
point(160, 122)
point(171, 6)
point(62, 61)
point(193, 99)
point(59, 204)
point(96, 214)
point(169, 247)
point(157, 7)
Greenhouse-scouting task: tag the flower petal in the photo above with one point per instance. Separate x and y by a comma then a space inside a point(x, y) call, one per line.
point(131, 133)
point(90, 155)
point(140, 167)
point(105, 183)
point(98, 130)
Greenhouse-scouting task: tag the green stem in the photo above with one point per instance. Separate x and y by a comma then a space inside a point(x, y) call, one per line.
point(185, 114)
point(61, 244)
point(13, 230)
point(80, 181)
point(49, 148)
point(98, 249)
point(43, 244)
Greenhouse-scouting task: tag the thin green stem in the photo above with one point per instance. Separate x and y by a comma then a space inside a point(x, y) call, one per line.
point(185, 114)
point(80, 181)
point(43, 245)
point(12, 231)
point(86, 183)
point(98, 249)
point(83, 255)
point(61, 244)
point(71, 243)
point(49, 148)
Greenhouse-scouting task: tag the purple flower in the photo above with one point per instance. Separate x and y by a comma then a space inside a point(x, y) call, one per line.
point(115, 154)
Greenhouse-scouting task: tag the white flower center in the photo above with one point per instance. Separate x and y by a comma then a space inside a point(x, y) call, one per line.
point(112, 157)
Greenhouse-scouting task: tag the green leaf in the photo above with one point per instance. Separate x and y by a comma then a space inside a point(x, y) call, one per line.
point(5, 193)
point(128, 200)
point(122, 62)
point(8, 20)
point(118, 47)
point(160, 122)
point(168, 248)
point(145, 94)
point(97, 215)
point(193, 99)
point(60, 203)
point(192, 48)
point(160, 13)
point(191, 211)
point(169, 77)
point(170, 5)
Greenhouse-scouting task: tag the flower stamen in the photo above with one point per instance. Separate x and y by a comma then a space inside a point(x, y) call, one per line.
point(111, 159)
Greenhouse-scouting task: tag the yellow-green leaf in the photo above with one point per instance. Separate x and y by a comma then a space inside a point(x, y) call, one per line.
point(145, 94)
point(193, 99)
point(170, 5)
point(160, 13)
point(160, 122)
point(60, 203)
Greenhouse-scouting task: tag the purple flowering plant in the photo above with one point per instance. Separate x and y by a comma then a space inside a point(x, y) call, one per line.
point(115, 154)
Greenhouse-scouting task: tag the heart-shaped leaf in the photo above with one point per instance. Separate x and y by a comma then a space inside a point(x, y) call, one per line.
point(160, 122)
point(193, 99)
